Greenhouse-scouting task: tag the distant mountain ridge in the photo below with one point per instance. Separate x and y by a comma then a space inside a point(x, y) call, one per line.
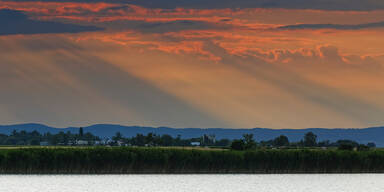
point(365, 135)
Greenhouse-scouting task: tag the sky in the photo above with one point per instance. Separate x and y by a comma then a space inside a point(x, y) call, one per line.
point(193, 63)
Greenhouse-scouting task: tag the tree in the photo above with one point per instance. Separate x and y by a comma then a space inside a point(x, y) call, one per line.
point(325, 143)
point(362, 147)
point(14, 133)
point(88, 137)
point(223, 142)
point(118, 136)
point(81, 132)
point(139, 140)
point(238, 144)
point(249, 142)
point(178, 140)
point(35, 142)
point(310, 139)
point(268, 143)
point(166, 140)
point(346, 146)
point(280, 141)
point(149, 139)
point(371, 145)
point(34, 133)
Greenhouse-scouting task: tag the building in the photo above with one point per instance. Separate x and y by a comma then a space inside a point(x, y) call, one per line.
point(208, 139)
point(98, 143)
point(44, 143)
point(195, 143)
point(81, 142)
point(120, 143)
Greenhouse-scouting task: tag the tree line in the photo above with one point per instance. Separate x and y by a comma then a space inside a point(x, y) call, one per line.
point(246, 143)
point(152, 139)
point(35, 138)
point(309, 140)
point(68, 138)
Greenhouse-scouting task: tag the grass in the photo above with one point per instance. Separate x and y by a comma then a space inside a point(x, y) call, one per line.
point(124, 160)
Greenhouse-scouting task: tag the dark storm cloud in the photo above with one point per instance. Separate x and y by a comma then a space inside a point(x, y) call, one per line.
point(16, 22)
point(334, 26)
point(215, 4)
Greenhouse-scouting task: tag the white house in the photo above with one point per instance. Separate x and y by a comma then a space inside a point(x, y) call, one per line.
point(81, 142)
point(195, 143)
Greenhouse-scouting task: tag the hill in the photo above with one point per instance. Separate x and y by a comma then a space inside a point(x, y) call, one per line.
point(373, 134)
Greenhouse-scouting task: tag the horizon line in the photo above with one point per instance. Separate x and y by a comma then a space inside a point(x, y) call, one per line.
point(157, 127)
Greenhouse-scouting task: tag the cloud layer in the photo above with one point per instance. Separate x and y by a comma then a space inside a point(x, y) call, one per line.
point(276, 63)
point(218, 4)
point(15, 22)
point(334, 26)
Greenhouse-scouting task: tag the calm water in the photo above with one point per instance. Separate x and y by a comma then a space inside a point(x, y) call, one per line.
point(195, 183)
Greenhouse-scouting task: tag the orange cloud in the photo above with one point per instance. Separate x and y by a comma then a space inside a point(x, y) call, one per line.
point(246, 19)
point(187, 47)
point(246, 35)
point(244, 74)
point(141, 41)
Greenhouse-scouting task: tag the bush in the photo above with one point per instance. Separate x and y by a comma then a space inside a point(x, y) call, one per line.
point(346, 146)
point(362, 148)
point(238, 145)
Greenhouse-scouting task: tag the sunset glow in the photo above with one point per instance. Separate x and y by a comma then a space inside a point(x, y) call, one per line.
point(135, 63)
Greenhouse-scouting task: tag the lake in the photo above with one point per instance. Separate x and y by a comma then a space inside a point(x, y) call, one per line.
point(195, 183)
